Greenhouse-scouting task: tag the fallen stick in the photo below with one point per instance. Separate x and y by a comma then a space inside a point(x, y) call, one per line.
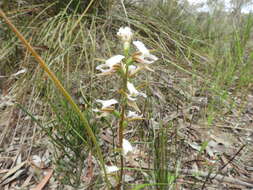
point(218, 177)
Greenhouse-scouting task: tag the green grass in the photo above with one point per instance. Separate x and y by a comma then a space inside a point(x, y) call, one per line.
point(209, 56)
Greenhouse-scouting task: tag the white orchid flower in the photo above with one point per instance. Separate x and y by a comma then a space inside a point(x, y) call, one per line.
point(111, 169)
point(107, 107)
point(125, 33)
point(144, 57)
point(127, 147)
point(132, 114)
point(133, 93)
point(141, 47)
point(107, 103)
point(111, 65)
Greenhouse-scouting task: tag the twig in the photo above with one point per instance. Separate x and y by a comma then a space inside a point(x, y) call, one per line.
point(215, 176)
point(231, 159)
point(218, 177)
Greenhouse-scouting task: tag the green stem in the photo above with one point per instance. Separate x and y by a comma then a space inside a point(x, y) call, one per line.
point(121, 136)
point(61, 89)
point(121, 126)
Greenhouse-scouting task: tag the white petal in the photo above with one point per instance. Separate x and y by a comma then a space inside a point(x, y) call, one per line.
point(142, 59)
point(37, 160)
point(142, 94)
point(125, 33)
point(141, 47)
point(109, 63)
point(127, 147)
point(152, 57)
point(114, 60)
point(131, 98)
point(111, 169)
point(132, 69)
point(132, 114)
point(132, 90)
point(96, 110)
point(101, 68)
point(107, 103)
point(145, 57)
point(19, 72)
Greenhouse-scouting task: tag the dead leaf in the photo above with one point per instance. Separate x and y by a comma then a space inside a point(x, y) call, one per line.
point(90, 171)
point(4, 171)
point(11, 172)
point(45, 180)
point(15, 176)
point(159, 94)
point(195, 146)
point(6, 101)
point(214, 147)
point(107, 136)
point(27, 181)
point(128, 178)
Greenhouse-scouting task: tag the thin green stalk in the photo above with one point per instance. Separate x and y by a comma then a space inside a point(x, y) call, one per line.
point(121, 125)
point(61, 89)
point(80, 18)
point(121, 135)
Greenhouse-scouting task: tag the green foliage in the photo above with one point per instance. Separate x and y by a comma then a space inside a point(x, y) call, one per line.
point(71, 142)
point(161, 160)
point(78, 6)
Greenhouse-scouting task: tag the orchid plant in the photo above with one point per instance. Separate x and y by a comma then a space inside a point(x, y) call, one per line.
point(126, 66)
